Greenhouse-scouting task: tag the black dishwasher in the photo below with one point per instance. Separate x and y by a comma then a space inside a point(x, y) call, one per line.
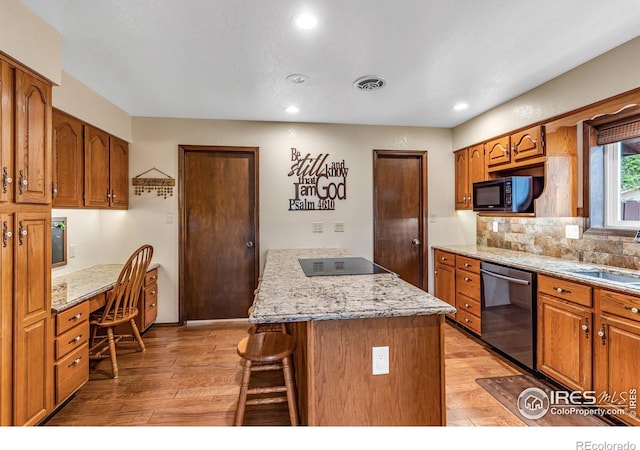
point(508, 312)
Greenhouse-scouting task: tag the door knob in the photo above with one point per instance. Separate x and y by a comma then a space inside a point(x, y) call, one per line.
point(250, 244)
point(416, 242)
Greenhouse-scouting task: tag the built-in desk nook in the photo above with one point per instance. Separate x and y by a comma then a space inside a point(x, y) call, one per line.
point(74, 296)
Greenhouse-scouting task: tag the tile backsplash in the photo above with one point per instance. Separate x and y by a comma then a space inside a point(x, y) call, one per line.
point(546, 236)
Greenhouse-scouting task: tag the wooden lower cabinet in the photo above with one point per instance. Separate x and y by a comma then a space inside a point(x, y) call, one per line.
point(147, 305)
point(565, 335)
point(468, 293)
point(617, 350)
point(71, 351)
point(445, 280)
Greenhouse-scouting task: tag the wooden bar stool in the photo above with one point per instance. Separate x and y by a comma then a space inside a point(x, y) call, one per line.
point(274, 348)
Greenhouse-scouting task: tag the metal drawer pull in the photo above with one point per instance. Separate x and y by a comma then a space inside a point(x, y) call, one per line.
point(152, 278)
point(466, 319)
point(633, 309)
point(76, 317)
point(467, 279)
point(467, 305)
point(153, 292)
point(75, 339)
point(442, 258)
point(467, 265)
point(153, 305)
point(562, 291)
point(75, 362)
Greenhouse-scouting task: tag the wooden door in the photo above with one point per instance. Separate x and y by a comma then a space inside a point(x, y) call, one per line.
point(33, 140)
point(118, 173)
point(6, 132)
point(462, 179)
point(564, 346)
point(68, 150)
point(32, 313)
point(400, 214)
point(6, 318)
point(218, 231)
point(96, 168)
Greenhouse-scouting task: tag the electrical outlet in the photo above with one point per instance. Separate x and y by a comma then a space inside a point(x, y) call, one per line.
point(317, 227)
point(380, 360)
point(72, 250)
point(572, 232)
point(495, 226)
point(169, 218)
point(338, 227)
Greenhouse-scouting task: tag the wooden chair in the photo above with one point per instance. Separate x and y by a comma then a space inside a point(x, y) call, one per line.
point(261, 352)
point(121, 307)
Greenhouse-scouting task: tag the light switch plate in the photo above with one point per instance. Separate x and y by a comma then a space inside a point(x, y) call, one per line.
point(317, 227)
point(338, 227)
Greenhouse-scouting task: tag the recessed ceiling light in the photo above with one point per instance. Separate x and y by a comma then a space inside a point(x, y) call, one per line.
point(292, 109)
point(305, 21)
point(297, 78)
point(461, 106)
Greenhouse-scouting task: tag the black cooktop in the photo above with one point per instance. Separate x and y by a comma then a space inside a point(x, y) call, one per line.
point(319, 267)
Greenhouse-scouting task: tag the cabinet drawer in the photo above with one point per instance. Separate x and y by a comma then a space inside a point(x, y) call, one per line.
point(151, 277)
point(72, 372)
point(468, 283)
point(71, 317)
point(443, 257)
point(469, 264)
point(150, 305)
point(469, 320)
point(71, 339)
point(468, 305)
point(98, 301)
point(620, 304)
point(567, 290)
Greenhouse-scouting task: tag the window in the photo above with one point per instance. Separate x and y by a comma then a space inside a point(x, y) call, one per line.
point(612, 185)
point(622, 184)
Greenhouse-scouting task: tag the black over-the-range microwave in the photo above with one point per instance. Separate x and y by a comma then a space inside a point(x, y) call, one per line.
point(508, 194)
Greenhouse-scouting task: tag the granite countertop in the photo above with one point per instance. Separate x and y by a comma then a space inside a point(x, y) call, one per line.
point(72, 288)
point(546, 265)
point(286, 294)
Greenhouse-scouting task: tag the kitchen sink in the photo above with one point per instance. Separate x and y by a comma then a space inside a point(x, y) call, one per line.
point(610, 276)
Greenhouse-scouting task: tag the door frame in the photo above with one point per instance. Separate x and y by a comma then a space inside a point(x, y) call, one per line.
point(182, 150)
point(423, 219)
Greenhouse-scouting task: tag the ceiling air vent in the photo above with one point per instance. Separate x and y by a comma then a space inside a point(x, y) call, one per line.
point(370, 83)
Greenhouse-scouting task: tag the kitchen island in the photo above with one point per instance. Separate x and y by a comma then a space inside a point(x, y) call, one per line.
point(336, 321)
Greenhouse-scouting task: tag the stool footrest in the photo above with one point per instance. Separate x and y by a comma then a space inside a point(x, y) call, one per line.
point(266, 401)
point(267, 390)
point(266, 367)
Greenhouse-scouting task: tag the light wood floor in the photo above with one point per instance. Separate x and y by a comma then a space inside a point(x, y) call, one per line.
point(190, 376)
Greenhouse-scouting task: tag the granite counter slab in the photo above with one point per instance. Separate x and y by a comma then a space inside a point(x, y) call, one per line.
point(286, 294)
point(72, 288)
point(546, 265)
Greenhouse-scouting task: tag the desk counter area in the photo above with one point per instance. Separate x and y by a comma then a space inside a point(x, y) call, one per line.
point(336, 322)
point(75, 287)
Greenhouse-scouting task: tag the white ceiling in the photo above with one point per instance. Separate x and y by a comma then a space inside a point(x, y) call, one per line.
point(229, 59)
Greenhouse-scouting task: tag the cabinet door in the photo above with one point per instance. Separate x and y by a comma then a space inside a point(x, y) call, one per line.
point(527, 144)
point(462, 179)
point(6, 132)
point(445, 285)
point(33, 338)
point(6, 316)
point(565, 342)
point(96, 168)
point(33, 140)
point(617, 364)
point(476, 169)
point(497, 152)
point(68, 149)
point(119, 173)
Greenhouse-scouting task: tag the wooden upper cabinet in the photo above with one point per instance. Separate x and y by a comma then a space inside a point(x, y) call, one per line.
point(498, 152)
point(118, 173)
point(462, 178)
point(6, 138)
point(527, 144)
point(68, 160)
point(96, 168)
point(470, 168)
point(522, 148)
point(32, 177)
